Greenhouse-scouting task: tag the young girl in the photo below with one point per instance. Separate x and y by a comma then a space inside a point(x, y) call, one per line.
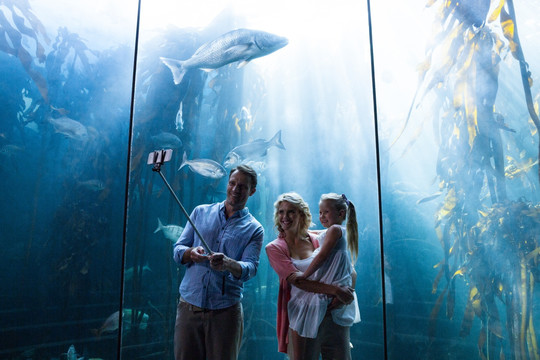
point(331, 263)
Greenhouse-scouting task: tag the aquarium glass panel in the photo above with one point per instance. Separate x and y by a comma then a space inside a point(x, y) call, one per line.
point(66, 78)
point(457, 95)
point(300, 115)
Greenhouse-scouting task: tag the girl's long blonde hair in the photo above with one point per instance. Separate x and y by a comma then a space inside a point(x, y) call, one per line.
point(342, 203)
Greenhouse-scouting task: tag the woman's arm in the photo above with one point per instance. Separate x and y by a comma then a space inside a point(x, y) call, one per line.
point(333, 234)
point(280, 261)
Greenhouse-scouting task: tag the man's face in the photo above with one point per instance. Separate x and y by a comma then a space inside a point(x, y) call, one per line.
point(238, 190)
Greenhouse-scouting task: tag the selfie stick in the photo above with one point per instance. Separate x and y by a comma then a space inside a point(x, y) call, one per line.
point(158, 158)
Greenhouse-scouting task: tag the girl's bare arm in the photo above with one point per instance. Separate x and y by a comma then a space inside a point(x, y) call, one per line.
point(332, 236)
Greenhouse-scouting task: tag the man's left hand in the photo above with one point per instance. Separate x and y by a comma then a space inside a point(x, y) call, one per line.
point(218, 261)
point(221, 262)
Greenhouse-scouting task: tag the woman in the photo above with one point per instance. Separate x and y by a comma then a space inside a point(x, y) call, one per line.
point(292, 219)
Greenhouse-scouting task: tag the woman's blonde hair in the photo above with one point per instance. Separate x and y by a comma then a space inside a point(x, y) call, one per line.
point(340, 202)
point(303, 209)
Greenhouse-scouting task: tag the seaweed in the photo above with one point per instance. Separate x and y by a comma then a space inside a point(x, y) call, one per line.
point(12, 27)
point(489, 241)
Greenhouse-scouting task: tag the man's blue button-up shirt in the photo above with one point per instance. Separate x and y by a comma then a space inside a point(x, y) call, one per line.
point(239, 237)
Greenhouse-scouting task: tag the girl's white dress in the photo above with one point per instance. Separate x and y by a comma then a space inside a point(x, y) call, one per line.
point(306, 309)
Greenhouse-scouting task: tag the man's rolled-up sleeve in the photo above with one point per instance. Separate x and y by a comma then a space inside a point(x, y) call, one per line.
point(250, 257)
point(185, 241)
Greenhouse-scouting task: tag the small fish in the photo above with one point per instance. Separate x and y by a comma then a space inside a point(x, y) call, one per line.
point(69, 127)
point(128, 275)
point(498, 119)
point(112, 323)
point(72, 354)
point(10, 150)
point(92, 185)
point(171, 232)
point(429, 198)
point(179, 121)
point(166, 140)
point(253, 151)
point(242, 45)
point(109, 325)
point(205, 167)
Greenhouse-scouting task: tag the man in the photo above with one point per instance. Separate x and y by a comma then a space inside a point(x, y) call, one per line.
point(209, 320)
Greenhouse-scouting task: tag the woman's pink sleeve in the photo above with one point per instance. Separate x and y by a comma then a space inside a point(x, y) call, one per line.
point(280, 260)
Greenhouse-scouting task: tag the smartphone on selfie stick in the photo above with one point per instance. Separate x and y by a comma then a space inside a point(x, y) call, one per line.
point(158, 158)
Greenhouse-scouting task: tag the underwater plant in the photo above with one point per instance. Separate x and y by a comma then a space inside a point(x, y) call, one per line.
point(489, 241)
point(14, 35)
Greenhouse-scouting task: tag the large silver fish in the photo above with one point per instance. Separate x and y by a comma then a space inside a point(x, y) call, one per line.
point(242, 45)
point(171, 232)
point(252, 151)
point(69, 127)
point(205, 167)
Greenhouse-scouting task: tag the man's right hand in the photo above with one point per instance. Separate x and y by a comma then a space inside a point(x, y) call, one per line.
point(197, 254)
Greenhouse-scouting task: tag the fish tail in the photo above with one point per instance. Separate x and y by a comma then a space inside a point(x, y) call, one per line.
point(159, 226)
point(276, 141)
point(176, 67)
point(184, 161)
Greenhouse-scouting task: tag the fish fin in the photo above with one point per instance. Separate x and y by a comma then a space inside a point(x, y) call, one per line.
point(238, 50)
point(276, 141)
point(207, 70)
point(159, 226)
point(184, 161)
point(176, 67)
point(241, 64)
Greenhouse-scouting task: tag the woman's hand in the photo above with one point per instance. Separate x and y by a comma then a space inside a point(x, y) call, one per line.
point(344, 294)
point(335, 303)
